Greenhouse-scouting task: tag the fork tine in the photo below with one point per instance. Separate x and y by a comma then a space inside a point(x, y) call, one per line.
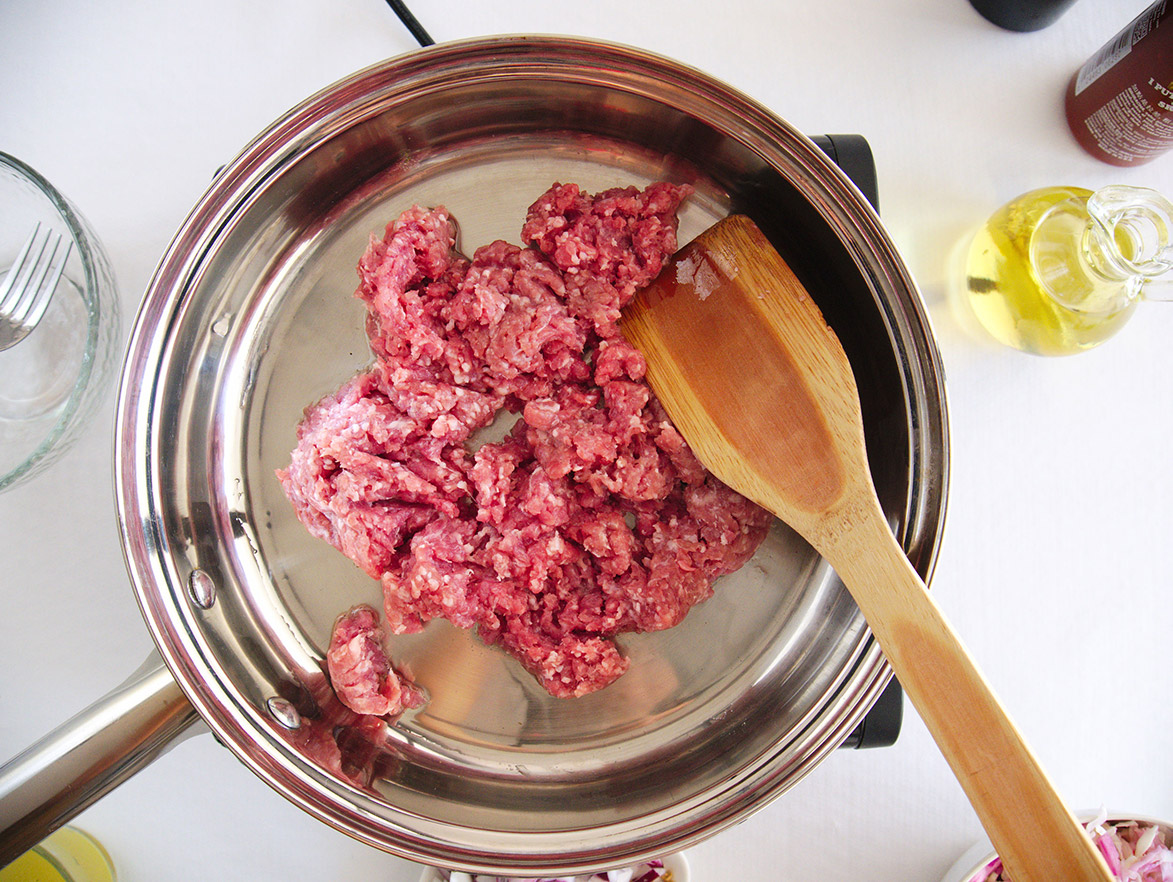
point(48, 282)
point(34, 284)
point(18, 268)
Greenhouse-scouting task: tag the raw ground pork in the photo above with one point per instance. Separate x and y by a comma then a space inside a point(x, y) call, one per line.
point(592, 517)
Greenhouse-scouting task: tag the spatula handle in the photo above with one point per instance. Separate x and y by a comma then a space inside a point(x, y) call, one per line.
point(1036, 835)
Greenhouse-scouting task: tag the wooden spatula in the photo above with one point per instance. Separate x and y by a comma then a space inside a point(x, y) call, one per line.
point(760, 387)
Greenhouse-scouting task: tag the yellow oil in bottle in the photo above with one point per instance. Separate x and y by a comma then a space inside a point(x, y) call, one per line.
point(1026, 282)
point(68, 855)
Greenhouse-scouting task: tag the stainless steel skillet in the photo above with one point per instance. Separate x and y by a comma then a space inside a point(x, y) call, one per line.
point(249, 318)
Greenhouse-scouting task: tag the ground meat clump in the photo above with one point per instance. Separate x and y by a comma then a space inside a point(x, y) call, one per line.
point(360, 671)
point(592, 517)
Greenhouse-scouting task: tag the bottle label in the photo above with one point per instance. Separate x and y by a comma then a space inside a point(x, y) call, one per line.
point(1118, 47)
point(1132, 127)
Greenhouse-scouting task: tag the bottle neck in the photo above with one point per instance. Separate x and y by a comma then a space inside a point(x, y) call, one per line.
point(1130, 235)
point(1099, 255)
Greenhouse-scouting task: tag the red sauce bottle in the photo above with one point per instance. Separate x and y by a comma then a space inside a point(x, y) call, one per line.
point(1120, 103)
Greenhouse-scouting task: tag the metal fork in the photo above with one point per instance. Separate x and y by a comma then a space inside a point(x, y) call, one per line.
point(26, 291)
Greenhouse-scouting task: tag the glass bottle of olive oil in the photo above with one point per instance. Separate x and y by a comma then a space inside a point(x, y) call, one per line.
point(1061, 269)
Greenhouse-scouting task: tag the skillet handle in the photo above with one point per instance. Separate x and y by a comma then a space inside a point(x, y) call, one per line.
point(89, 755)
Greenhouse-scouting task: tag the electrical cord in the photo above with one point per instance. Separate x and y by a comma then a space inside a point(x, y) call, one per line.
point(410, 22)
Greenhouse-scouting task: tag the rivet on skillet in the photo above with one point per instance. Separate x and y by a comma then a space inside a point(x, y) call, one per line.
point(284, 712)
point(201, 589)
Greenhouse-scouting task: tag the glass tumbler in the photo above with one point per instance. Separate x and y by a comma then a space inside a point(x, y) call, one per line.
point(69, 855)
point(52, 381)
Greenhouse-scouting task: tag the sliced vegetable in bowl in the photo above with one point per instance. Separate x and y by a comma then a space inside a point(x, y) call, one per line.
point(673, 868)
point(1136, 848)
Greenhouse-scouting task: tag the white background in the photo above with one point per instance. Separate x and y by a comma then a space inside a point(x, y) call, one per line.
point(1055, 564)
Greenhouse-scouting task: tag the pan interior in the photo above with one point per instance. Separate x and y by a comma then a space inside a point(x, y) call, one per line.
point(490, 736)
point(713, 715)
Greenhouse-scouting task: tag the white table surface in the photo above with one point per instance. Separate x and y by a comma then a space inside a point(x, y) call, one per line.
point(1055, 565)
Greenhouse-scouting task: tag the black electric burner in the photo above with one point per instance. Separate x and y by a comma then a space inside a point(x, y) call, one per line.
point(881, 725)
